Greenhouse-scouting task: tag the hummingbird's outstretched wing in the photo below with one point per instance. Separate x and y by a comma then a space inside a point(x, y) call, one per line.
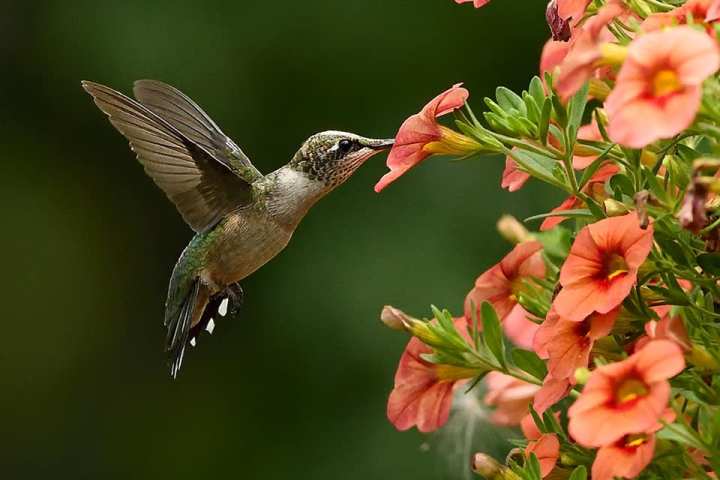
point(204, 188)
point(184, 114)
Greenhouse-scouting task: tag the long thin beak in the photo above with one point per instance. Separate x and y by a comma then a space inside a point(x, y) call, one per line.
point(376, 144)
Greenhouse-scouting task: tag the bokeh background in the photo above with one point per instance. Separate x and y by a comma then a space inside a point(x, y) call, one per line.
point(296, 386)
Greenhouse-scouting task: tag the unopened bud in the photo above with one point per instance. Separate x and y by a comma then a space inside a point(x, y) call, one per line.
point(512, 230)
point(491, 469)
point(582, 375)
point(613, 208)
point(648, 158)
point(612, 54)
point(394, 318)
point(599, 90)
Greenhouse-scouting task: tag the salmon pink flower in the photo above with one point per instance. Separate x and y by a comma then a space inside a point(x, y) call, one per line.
point(590, 45)
point(552, 391)
point(510, 397)
point(625, 458)
point(670, 327)
point(595, 188)
point(547, 450)
point(705, 11)
point(501, 286)
point(602, 266)
point(423, 391)
point(572, 10)
point(628, 456)
point(626, 397)
point(513, 178)
point(659, 86)
point(567, 344)
point(552, 55)
point(420, 136)
point(476, 3)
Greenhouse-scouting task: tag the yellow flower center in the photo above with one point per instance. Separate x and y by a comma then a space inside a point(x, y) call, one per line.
point(616, 266)
point(636, 440)
point(452, 143)
point(630, 389)
point(665, 83)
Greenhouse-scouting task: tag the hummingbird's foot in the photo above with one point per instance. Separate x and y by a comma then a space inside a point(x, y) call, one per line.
point(236, 295)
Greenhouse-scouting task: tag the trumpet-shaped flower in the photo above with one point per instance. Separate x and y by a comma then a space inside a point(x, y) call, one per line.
point(625, 458)
point(501, 286)
point(628, 456)
point(602, 266)
point(513, 178)
point(705, 11)
point(510, 397)
point(572, 10)
point(423, 391)
point(626, 397)
point(420, 136)
point(589, 46)
point(659, 86)
point(567, 344)
point(547, 450)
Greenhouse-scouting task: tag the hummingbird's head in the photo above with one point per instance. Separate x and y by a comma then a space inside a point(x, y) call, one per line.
point(332, 157)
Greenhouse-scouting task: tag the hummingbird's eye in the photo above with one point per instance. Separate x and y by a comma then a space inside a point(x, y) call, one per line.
point(345, 145)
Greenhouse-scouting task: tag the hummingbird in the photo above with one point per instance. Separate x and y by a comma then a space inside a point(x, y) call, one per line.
point(241, 218)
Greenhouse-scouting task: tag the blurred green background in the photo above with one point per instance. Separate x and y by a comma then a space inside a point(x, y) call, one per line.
point(296, 386)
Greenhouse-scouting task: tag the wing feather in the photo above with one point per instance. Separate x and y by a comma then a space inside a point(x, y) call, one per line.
point(202, 187)
point(187, 117)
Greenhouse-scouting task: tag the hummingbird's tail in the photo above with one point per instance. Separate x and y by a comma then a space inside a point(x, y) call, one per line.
point(192, 308)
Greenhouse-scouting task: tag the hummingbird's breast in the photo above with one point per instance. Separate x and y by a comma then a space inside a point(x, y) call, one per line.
point(242, 243)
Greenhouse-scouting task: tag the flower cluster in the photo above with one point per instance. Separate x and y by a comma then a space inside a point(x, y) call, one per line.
point(599, 334)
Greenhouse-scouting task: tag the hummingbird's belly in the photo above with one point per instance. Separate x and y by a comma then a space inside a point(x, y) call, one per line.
point(244, 243)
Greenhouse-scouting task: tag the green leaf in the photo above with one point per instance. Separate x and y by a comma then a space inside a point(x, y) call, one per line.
point(537, 90)
point(710, 263)
point(621, 185)
point(529, 362)
point(593, 167)
point(574, 213)
point(533, 108)
point(533, 466)
point(580, 473)
point(509, 100)
point(544, 124)
point(496, 108)
point(560, 112)
point(671, 248)
point(576, 107)
point(492, 333)
point(556, 243)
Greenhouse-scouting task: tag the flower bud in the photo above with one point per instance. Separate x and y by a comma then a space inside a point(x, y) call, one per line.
point(613, 208)
point(612, 54)
point(582, 375)
point(648, 158)
point(394, 318)
point(491, 469)
point(512, 230)
point(599, 90)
